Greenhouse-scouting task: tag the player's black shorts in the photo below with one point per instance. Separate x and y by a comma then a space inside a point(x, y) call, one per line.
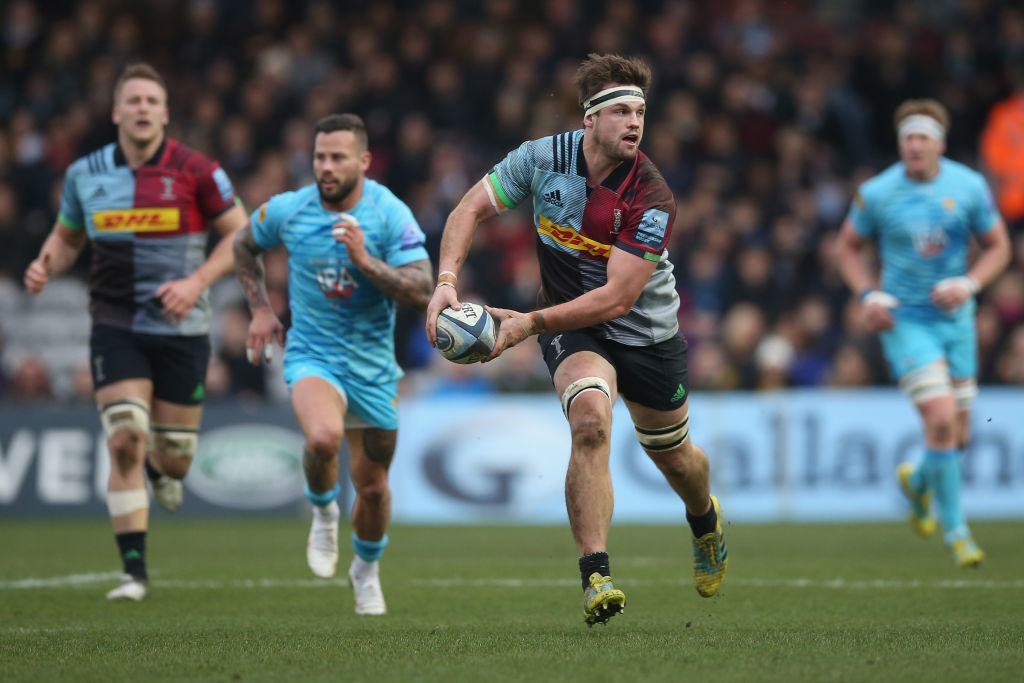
point(175, 364)
point(653, 376)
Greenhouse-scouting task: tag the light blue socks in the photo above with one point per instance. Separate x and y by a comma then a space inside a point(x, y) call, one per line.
point(323, 499)
point(940, 473)
point(369, 551)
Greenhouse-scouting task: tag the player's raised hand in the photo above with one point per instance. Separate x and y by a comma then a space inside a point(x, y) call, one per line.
point(264, 330)
point(513, 328)
point(37, 274)
point(348, 231)
point(178, 297)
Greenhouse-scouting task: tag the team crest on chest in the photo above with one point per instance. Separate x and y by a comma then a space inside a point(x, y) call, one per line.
point(168, 183)
point(336, 282)
point(617, 223)
point(929, 242)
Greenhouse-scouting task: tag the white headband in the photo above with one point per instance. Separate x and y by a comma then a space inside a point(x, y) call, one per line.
point(923, 124)
point(613, 95)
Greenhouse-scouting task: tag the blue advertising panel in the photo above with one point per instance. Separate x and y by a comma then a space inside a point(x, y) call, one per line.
point(814, 455)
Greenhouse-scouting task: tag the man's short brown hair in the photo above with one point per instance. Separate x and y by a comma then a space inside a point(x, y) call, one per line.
point(597, 71)
point(350, 122)
point(139, 70)
point(928, 107)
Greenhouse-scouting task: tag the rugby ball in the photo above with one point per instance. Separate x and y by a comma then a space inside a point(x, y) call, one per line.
point(466, 335)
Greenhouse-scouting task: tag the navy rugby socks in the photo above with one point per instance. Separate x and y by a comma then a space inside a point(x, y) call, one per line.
point(594, 562)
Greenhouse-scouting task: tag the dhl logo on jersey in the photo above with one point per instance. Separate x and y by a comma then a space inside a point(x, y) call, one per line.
point(157, 219)
point(568, 237)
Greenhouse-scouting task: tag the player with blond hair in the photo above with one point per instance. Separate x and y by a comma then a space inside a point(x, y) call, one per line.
point(923, 212)
point(145, 202)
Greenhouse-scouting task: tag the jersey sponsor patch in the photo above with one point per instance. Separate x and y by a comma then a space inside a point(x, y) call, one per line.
point(336, 282)
point(156, 219)
point(651, 231)
point(224, 186)
point(568, 237)
point(411, 236)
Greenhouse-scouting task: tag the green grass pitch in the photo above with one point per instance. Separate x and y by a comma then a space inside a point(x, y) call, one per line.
point(233, 600)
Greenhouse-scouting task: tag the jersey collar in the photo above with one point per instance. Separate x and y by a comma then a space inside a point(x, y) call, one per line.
point(120, 160)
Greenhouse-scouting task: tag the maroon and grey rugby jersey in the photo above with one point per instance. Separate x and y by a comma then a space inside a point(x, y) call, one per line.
point(147, 227)
point(577, 227)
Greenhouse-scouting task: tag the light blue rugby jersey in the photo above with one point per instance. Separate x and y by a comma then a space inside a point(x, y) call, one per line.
point(923, 231)
point(338, 316)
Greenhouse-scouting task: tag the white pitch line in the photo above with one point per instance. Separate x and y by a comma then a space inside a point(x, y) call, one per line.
point(60, 581)
point(899, 584)
point(86, 580)
point(838, 583)
point(83, 580)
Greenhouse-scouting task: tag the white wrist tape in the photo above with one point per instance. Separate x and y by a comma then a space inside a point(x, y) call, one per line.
point(877, 296)
point(965, 281)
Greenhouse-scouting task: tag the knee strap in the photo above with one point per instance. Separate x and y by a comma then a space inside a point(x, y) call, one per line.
point(965, 394)
point(664, 439)
point(175, 441)
point(927, 383)
point(121, 503)
point(580, 386)
point(126, 413)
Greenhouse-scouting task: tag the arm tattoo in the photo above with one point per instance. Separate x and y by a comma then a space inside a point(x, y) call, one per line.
point(539, 324)
point(409, 285)
point(249, 268)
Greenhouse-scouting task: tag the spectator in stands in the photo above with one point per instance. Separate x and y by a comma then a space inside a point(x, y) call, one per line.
point(31, 379)
point(1002, 150)
point(760, 112)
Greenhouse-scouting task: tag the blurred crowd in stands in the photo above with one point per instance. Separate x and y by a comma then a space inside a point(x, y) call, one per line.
point(764, 116)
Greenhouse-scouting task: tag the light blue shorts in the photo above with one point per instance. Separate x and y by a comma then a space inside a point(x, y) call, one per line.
point(373, 405)
point(911, 344)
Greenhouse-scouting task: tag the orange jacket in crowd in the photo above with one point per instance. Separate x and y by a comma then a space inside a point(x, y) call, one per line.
point(1002, 150)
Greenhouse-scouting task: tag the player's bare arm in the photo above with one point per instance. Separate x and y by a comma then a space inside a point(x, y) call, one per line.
point(408, 284)
point(851, 264)
point(59, 252)
point(265, 327)
point(951, 293)
point(179, 296)
point(850, 261)
point(627, 275)
point(474, 208)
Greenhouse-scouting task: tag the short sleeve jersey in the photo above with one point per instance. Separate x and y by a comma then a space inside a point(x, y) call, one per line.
point(147, 227)
point(923, 231)
point(578, 226)
point(338, 316)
